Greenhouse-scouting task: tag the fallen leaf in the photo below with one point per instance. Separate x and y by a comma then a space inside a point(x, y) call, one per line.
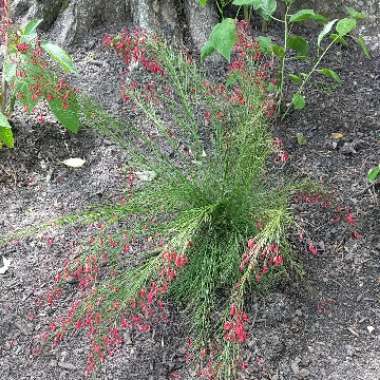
point(337, 135)
point(353, 332)
point(74, 162)
point(6, 265)
point(301, 139)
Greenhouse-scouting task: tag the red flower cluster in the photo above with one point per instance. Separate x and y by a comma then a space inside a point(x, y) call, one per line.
point(131, 46)
point(282, 154)
point(41, 83)
point(312, 199)
point(94, 311)
point(269, 256)
point(235, 329)
point(23, 48)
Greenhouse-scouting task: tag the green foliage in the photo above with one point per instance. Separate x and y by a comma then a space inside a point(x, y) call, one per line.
point(69, 118)
point(374, 174)
point(306, 15)
point(345, 26)
point(29, 31)
point(298, 44)
point(330, 74)
point(265, 45)
point(298, 101)
point(265, 8)
point(209, 193)
point(30, 78)
point(59, 56)
point(326, 30)
point(6, 136)
point(353, 13)
point(360, 41)
point(222, 39)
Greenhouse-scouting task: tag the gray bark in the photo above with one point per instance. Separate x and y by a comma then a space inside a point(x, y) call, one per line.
point(72, 20)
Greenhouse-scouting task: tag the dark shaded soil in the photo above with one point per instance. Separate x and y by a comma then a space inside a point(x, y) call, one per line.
point(326, 327)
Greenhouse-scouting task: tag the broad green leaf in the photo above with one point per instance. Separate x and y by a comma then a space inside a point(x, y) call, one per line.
point(278, 51)
point(60, 56)
point(374, 174)
point(360, 41)
point(330, 74)
point(345, 26)
point(295, 78)
point(31, 27)
point(307, 14)
point(265, 44)
point(207, 50)
point(301, 139)
point(267, 8)
point(299, 44)
point(203, 3)
point(338, 39)
point(222, 39)
point(9, 70)
point(298, 101)
point(6, 135)
point(326, 30)
point(353, 13)
point(254, 3)
point(23, 87)
point(69, 118)
point(29, 32)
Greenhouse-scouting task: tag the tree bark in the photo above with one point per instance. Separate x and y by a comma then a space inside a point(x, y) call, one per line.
point(72, 20)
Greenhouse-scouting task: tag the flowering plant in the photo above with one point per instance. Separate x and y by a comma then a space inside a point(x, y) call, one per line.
point(29, 77)
point(295, 47)
point(202, 217)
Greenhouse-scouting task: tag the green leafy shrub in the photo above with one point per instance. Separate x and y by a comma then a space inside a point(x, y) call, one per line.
point(295, 47)
point(208, 223)
point(30, 77)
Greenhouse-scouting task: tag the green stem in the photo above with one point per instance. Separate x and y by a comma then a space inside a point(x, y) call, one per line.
point(277, 19)
point(246, 13)
point(286, 32)
point(312, 71)
point(219, 9)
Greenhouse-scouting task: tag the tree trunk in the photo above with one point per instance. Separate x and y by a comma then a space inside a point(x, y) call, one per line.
point(72, 20)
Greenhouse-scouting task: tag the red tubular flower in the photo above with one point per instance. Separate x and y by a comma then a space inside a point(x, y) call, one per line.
point(233, 310)
point(312, 249)
point(350, 219)
point(251, 244)
point(181, 261)
point(283, 156)
point(107, 40)
point(356, 235)
point(22, 48)
point(278, 261)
